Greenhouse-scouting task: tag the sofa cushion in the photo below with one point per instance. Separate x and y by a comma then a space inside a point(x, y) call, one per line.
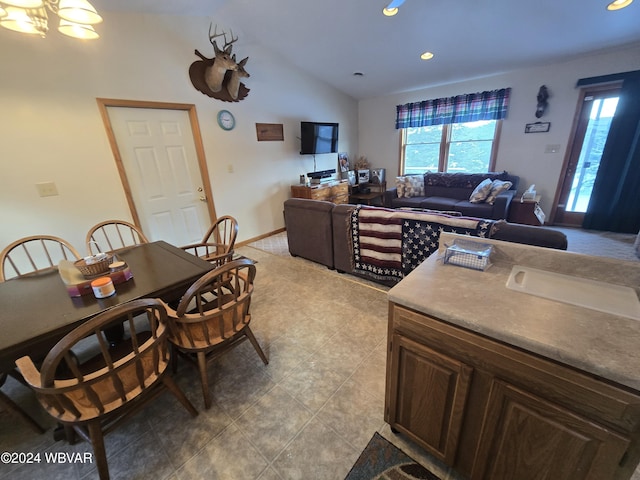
point(461, 180)
point(497, 187)
point(468, 209)
point(482, 190)
point(407, 202)
point(438, 203)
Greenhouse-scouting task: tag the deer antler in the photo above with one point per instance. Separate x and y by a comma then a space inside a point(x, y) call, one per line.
point(215, 35)
point(229, 44)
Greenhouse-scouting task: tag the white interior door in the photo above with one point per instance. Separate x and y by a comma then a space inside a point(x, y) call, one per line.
point(159, 157)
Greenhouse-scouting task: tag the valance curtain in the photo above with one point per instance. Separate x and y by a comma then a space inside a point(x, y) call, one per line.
point(615, 199)
point(462, 108)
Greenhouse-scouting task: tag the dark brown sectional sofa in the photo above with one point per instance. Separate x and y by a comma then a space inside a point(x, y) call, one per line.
point(451, 191)
point(322, 232)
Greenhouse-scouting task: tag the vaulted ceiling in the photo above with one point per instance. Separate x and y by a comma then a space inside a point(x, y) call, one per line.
point(333, 39)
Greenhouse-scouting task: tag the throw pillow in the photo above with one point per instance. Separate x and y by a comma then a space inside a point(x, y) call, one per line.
point(400, 186)
point(414, 186)
point(497, 186)
point(481, 191)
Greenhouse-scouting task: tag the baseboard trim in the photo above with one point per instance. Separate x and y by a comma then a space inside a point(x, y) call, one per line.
point(260, 237)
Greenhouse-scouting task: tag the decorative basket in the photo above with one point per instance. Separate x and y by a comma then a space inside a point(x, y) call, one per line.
point(93, 269)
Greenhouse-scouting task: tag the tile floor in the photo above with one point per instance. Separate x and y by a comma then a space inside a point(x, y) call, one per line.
point(307, 415)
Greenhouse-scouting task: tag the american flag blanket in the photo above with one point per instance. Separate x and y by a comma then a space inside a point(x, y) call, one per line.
point(389, 244)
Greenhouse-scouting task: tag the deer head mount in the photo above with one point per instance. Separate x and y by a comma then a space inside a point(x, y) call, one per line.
point(219, 77)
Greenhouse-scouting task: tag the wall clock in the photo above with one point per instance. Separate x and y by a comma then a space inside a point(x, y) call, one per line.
point(226, 120)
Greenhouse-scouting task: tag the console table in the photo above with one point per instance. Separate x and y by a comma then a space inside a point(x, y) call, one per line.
point(375, 190)
point(335, 191)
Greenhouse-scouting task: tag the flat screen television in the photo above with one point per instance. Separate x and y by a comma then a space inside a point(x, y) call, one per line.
point(317, 137)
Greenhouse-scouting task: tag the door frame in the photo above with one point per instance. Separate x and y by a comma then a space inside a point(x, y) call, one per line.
point(571, 143)
point(104, 103)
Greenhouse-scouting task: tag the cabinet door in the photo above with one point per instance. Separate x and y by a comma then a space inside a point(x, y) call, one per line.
point(428, 395)
point(527, 438)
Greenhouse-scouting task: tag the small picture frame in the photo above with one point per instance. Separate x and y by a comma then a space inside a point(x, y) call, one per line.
point(537, 127)
point(343, 161)
point(351, 175)
point(269, 132)
point(363, 176)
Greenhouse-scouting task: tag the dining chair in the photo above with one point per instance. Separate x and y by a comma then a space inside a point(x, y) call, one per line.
point(34, 254)
point(213, 317)
point(92, 397)
point(218, 243)
point(113, 235)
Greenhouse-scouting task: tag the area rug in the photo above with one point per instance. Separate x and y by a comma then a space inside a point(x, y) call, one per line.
point(381, 460)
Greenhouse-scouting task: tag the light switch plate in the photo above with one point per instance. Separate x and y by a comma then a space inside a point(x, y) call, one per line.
point(47, 189)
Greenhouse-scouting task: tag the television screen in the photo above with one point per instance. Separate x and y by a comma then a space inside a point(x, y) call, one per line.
point(318, 137)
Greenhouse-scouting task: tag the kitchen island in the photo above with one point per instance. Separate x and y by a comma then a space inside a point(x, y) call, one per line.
point(504, 385)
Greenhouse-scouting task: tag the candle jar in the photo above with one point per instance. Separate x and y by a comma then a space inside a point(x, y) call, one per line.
point(103, 287)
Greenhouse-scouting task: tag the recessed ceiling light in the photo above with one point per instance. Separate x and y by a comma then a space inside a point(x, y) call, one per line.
point(426, 56)
point(358, 74)
point(618, 4)
point(389, 12)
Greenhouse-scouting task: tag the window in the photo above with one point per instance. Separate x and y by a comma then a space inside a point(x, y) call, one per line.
point(456, 147)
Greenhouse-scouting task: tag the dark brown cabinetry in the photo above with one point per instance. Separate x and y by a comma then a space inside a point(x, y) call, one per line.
point(495, 412)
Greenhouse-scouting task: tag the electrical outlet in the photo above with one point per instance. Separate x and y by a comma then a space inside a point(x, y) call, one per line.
point(552, 148)
point(47, 189)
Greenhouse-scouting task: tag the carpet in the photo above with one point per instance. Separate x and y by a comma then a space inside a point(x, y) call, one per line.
point(384, 461)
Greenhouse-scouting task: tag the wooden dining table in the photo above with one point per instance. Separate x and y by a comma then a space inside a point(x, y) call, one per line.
point(36, 311)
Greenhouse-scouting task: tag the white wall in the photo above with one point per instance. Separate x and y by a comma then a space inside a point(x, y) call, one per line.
point(519, 153)
point(51, 130)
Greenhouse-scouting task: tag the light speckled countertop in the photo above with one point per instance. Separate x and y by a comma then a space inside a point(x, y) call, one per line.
point(599, 343)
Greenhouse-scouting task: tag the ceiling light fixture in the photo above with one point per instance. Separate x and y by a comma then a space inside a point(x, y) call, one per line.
point(426, 56)
point(391, 9)
point(77, 17)
point(618, 4)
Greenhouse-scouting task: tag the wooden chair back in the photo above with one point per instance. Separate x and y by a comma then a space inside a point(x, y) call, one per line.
point(215, 308)
point(113, 235)
point(218, 243)
point(116, 375)
point(213, 317)
point(92, 397)
point(33, 255)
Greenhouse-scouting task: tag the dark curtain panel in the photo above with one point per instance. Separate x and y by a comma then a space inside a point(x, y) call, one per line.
point(615, 200)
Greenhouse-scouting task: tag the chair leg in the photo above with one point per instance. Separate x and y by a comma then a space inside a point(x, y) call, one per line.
point(97, 441)
point(179, 394)
point(202, 366)
point(11, 405)
point(256, 345)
